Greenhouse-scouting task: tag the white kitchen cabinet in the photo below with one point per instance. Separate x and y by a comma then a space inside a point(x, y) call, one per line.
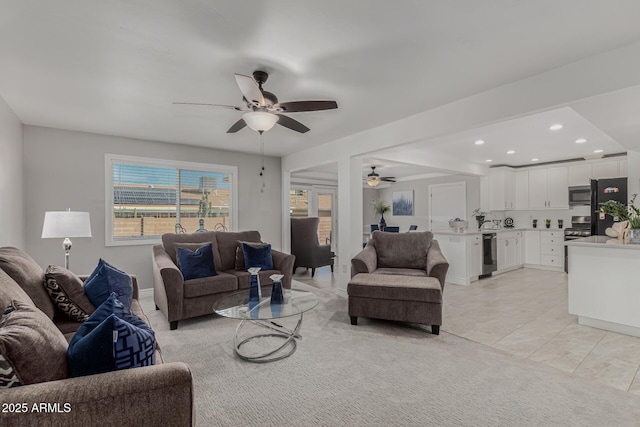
point(532, 247)
point(580, 174)
point(548, 188)
point(509, 250)
point(605, 169)
point(521, 196)
point(463, 255)
point(622, 167)
point(501, 189)
point(558, 187)
point(475, 255)
point(552, 248)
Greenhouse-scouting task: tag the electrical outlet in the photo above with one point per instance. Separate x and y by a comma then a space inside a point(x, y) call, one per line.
point(344, 268)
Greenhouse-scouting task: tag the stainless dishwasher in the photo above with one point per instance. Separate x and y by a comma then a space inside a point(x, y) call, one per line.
point(489, 253)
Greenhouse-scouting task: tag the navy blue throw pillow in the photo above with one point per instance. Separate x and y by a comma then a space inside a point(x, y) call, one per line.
point(111, 339)
point(195, 265)
point(106, 279)
point(257, 256)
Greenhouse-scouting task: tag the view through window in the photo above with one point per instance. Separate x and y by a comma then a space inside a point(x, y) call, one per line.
point(152, 197)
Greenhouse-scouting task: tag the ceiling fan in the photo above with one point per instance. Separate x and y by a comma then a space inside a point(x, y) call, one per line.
point(374, 178)
point(262, 108)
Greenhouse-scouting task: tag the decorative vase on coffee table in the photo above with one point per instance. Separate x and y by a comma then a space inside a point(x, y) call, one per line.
point(255, 293)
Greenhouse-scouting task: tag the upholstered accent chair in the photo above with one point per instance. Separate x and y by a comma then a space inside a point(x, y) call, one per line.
point(305, 246)
point(399, 276)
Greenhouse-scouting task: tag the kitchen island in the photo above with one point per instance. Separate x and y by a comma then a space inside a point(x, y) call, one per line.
point(604, 283)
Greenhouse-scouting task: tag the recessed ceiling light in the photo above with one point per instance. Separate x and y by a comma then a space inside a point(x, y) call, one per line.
point(511, 152)
point(479, 142)
point(556, 126)
point(488, 160)
point(580, 141)
point(534, 160)
point(598, 151)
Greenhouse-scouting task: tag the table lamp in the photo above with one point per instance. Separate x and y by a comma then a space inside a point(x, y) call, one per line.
point(65, 224)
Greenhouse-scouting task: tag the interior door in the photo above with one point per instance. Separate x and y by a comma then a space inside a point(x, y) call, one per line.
point(447, 201)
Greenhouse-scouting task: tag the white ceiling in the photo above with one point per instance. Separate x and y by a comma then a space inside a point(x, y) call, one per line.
point(115, 67)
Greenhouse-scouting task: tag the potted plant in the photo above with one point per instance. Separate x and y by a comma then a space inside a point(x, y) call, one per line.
point(535, 223)
point(479, 216)
point(380, 207)
point(560, 223)
point(547, 223)
point(621, 212)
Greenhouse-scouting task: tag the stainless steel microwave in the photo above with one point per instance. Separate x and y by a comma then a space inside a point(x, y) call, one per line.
point(580, 195)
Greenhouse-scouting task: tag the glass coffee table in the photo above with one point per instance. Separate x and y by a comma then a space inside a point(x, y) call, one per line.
point(263, 313)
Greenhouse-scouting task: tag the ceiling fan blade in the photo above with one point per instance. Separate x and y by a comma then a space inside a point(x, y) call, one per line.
point(292, 124)
point(233, 107)
point(388, 178)
point(250, 90)
point(299, 106)
point(237, 126)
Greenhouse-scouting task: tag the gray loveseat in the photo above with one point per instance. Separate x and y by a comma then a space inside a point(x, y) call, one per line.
point(179, 299)
point(399, 276)
point(161, 394)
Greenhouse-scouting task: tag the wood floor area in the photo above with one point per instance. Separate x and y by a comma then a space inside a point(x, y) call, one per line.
point(524, 313)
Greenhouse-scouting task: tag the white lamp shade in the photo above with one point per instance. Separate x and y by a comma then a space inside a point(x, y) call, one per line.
point(260, 121)
point(62, 224)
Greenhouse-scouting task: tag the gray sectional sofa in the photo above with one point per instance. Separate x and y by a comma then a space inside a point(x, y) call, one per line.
point(161, 394)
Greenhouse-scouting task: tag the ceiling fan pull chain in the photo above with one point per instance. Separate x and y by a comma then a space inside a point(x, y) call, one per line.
point(262, 187)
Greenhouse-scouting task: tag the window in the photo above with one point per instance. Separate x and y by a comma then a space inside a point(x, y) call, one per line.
point(147, 198)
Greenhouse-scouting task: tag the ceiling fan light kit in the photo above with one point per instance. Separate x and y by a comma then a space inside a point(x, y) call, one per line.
point(260, 121)
point(264, 109)
point(374, 178)
point(373, 181)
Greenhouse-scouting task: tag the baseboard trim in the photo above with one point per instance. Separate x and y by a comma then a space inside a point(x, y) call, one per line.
point(146, 293)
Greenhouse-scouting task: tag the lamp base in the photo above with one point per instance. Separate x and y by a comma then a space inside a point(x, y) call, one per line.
point(66, 245)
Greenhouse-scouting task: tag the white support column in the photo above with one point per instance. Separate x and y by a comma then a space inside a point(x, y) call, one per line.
point(286, 214)
point(349, 217)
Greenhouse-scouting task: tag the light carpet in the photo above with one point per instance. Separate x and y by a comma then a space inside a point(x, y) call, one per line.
point(379, 373)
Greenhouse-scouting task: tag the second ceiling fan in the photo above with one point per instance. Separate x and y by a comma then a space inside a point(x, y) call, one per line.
point(374, 178)
point(262, 108)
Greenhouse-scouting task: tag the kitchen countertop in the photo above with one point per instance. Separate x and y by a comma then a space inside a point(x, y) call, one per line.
point(602, 242)
point(472, 231)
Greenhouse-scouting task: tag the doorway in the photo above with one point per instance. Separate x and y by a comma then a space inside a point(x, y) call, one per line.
point(320, 201)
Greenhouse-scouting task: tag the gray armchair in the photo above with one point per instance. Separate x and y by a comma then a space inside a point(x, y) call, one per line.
point(305, 246)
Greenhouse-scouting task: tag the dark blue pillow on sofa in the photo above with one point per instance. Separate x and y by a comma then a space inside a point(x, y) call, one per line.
point(198, 263)
point(112, 338)
point(106, 279)
point(257, 256)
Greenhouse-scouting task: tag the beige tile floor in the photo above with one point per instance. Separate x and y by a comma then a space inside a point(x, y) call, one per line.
point(524, 313)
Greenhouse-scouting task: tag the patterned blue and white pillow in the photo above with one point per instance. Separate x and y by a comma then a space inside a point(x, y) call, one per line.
point(106, 279)
point(111, 339)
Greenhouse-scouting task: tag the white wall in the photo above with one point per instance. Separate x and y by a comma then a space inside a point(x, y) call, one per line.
point(369, 216)
point(65, 169)
point(12, 222)
point(420, 189)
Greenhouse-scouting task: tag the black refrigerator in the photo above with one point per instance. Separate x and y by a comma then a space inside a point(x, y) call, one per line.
point(603, 190)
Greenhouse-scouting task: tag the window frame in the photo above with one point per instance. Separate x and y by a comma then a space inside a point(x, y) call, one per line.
point(153, 162)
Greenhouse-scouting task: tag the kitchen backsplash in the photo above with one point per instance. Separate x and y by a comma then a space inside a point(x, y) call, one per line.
point(524, 219)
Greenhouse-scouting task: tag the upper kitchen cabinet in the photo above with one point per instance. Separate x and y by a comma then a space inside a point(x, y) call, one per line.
point(522, 190)
point(501, 189)
point(548, 188)
point(581, 173)
point(605, 169)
